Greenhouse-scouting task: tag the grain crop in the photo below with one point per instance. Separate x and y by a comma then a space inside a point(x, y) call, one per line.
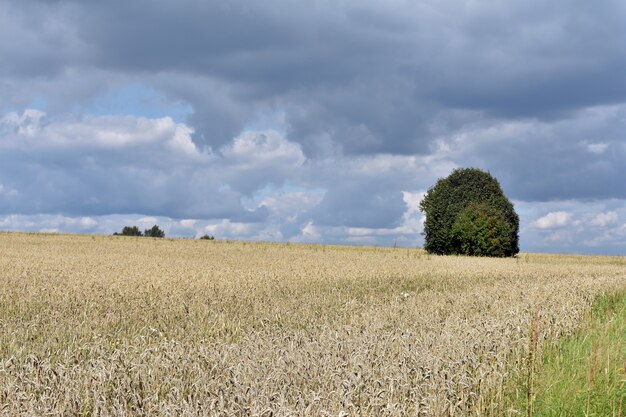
point(119, 326)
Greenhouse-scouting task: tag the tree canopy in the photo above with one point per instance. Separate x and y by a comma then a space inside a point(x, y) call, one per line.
point(467, 213)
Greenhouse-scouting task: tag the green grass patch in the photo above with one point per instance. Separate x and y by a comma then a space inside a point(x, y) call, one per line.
point(585, 375)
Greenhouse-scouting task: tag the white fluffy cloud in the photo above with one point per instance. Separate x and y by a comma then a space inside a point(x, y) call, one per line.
point(590, 226)
point(597, 148)
point(553, 220)
point(308, 234)
point(44, 222)
point(604, 219)
point(229, 229)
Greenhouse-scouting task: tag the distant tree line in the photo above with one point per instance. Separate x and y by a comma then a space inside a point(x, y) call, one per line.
point(154, 231)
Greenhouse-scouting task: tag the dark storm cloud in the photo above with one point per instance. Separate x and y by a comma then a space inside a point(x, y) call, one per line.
point(535, 59)
point(243, 58)
point(36, 41)
point(577, 158)
point(362, 77)
point(360, 205)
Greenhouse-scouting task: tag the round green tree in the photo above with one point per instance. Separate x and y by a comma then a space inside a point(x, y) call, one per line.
point(473, 200)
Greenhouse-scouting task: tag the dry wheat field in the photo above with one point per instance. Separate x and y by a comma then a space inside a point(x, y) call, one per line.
point(118, 326)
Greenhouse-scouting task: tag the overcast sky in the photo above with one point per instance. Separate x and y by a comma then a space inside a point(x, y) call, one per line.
point(311, 121)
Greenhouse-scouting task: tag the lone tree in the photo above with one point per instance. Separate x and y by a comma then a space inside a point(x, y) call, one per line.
point(468, 214)
point(154, 231)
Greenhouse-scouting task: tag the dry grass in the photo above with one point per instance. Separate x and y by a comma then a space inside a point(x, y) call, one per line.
point(136, 326)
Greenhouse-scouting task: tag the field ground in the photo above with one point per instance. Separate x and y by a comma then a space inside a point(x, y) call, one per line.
point(104, 325)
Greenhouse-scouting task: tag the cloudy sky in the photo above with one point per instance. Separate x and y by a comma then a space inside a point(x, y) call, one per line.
point(314, 120)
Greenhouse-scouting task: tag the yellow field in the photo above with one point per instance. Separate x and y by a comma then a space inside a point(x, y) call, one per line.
point(104, 325)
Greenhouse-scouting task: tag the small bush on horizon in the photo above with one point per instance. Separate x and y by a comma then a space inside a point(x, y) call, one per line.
point(154, 231)
point(129, 231)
